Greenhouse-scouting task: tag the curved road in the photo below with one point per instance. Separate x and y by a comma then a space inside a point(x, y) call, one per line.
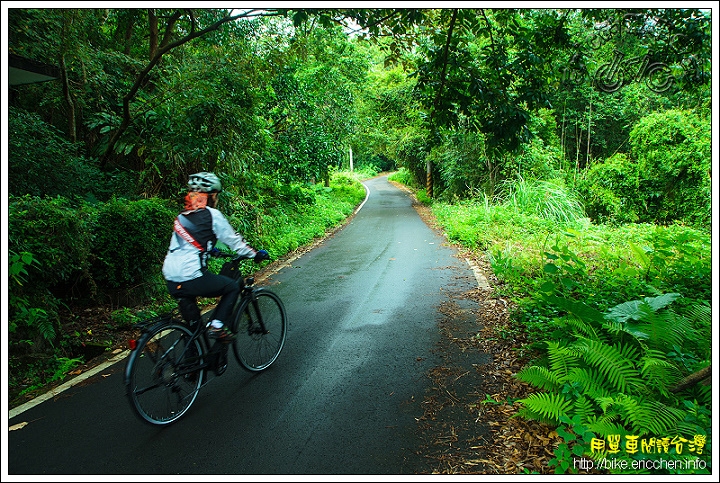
point(342, 399)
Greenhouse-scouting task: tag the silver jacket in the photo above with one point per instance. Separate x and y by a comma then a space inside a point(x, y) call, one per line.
point(184, 261)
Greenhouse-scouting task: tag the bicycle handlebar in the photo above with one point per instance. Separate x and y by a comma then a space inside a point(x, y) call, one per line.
point(235, 257)
point(219, 254)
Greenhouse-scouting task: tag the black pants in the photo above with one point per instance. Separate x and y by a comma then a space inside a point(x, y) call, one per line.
point(209, 285)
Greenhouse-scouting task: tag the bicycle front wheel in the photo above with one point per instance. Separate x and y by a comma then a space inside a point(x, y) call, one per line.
point(261, 328)
point(162, 375)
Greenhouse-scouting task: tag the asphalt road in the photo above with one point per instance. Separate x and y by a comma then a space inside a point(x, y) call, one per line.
point(342, 399)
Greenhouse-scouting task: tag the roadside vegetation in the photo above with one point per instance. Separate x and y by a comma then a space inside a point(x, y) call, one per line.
point(619, 316)
point(531, 133)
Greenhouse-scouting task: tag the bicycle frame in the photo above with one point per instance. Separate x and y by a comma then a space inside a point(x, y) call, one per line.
point(170, 359)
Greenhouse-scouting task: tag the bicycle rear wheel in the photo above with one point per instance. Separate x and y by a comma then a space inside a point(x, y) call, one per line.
point(261, 328)
point(161, 376)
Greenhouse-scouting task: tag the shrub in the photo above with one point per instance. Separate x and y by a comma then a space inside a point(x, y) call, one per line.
point(130, 241)
point(668, 180)
point(57, 232)
point(42, 163)
point(673, 152)
point(610, 190)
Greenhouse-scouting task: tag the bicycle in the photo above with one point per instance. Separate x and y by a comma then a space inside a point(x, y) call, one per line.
point(169, 362)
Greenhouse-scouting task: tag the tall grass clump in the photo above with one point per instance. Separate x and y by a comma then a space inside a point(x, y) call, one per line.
point(403, 176)
point(548, 199)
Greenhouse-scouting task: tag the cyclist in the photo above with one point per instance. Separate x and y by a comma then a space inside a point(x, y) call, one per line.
point(196, 231)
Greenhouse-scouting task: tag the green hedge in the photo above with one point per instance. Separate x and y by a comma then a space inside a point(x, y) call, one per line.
point(130, 239)
point(59, 235)
point(84, 249)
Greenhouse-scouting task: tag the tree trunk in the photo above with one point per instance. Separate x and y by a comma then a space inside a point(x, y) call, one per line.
point(587, 154)
point(692, 379)
point(153, 24)
point(68, 100)
point(129, 33)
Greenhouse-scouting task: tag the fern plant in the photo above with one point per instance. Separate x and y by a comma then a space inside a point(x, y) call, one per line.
point(611, 375)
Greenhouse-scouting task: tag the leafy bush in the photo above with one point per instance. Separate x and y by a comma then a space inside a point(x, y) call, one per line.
point(610, 190)
point(42, 163)
point(673, 152)
point(82, 249)
point(130, 239)
point(668, 180)
point(59, 234)
point(462, 164)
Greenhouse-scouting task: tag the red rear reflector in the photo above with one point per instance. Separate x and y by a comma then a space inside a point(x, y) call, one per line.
point(133, 344)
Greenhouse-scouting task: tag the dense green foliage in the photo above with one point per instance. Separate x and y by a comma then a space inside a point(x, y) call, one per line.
point(664, 177)
point(618, 316)
point(572, 147)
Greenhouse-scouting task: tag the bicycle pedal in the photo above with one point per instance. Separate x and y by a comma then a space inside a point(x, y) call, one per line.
point(221, 361)
point(221, 369)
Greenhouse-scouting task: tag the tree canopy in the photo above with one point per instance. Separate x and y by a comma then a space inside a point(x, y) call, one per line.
point(153, 94)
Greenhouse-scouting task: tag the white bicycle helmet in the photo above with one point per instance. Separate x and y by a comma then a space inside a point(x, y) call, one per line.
point(204, 182)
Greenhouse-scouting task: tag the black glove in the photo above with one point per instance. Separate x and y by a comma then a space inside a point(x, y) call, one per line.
point(261, 255)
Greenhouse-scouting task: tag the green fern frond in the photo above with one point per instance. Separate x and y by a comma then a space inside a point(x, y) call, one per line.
point(704, 395)
point(46, 328)
point(606, 403)
point(613, 363)
point(604, 426)
point(664, 330)
point(540, 377)
point(562, 359)
point(591, 382)
point(687, 429)
point(643, 416)
point(584, 408)
point(659, 373)
point(628, 351)
point(646, 321)
point(666, 418)
point(700, 312)
point(545, 407)
point(581, 327)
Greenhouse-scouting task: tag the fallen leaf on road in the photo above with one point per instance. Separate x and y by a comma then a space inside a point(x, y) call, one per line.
point(18, 426)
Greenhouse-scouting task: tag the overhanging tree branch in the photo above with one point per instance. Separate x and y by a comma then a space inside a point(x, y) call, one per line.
point(692, 379)
point(438, 97)
point(157, 54)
